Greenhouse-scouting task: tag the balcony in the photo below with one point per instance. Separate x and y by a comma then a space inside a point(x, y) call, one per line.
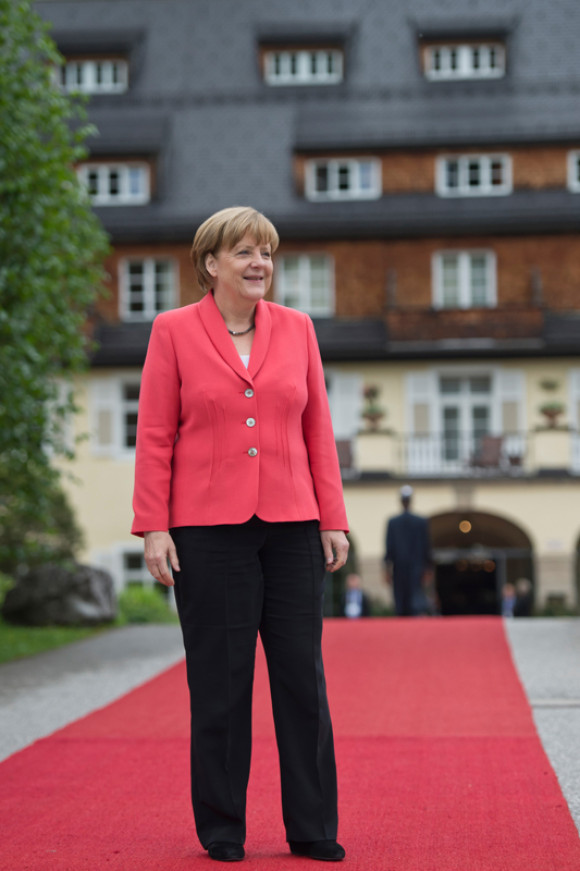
point(544, 451)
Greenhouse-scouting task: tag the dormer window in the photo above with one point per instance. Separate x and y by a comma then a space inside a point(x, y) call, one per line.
point(95, 76)
point(574, 171)
point(470, 175)
point(312, 66)
point(116, 184)
point(478, 60)
point(343, 179)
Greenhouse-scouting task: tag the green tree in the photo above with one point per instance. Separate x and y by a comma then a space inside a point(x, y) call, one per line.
point(52, 250)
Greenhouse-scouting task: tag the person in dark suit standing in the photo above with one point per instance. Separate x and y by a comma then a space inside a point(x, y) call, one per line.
point(408, 559)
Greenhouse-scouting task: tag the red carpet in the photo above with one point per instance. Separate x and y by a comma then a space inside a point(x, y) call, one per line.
point(440, 768)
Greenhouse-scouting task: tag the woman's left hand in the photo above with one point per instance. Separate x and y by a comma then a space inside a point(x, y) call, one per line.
point(335, 545)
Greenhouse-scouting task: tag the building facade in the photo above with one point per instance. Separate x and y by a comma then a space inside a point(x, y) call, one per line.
point(421, 161)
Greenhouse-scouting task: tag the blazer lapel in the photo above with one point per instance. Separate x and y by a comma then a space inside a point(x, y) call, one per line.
point(219, 336)
point(221, 340)
point(261, 341)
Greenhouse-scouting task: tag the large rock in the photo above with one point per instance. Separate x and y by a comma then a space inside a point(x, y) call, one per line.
point(52, 595)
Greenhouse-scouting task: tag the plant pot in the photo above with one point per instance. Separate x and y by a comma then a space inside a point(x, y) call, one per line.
point(373, 419)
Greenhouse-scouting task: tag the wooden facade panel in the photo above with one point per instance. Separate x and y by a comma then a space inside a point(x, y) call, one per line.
point(372, 277)
point(361, 290)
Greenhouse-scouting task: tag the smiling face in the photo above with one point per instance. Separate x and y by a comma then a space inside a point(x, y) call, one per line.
point(242, 273)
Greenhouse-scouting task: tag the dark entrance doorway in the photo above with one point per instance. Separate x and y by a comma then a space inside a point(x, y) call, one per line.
point(467, 585)
point(475, 555)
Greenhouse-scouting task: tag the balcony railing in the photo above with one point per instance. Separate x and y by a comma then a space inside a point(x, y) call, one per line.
point(444, 455)
point(461, 454)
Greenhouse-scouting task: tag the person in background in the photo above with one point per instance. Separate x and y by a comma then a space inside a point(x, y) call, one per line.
point(508, 600)
point(408, 564)
point(238, 489)
point(524, 603)
point(355, 601)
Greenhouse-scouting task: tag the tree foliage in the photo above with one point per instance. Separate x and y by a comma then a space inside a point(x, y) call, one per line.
point(51, 253)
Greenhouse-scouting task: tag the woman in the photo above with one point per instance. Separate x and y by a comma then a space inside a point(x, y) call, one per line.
point(238, 488)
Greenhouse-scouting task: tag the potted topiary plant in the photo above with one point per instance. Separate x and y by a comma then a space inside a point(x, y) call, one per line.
point(372, 411)
point(552, 411)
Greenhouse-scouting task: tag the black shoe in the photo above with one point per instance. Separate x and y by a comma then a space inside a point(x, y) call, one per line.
point(327, 851)
point(226, 851)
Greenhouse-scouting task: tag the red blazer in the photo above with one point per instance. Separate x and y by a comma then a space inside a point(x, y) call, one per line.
point(218, 443)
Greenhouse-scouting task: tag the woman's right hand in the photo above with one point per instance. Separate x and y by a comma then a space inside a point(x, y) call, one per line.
point(159, 553)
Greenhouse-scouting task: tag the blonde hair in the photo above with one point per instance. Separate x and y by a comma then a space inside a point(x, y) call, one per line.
point(225, 229)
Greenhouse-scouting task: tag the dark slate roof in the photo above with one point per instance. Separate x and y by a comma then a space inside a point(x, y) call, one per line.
point(123, 39)
point(125, 344)
point(304, 31)
point(462, 26)
point(135, 133)
point(121, 344)
point(563, 331)
point(223, 137)
point(408, 216)
point(489, 115)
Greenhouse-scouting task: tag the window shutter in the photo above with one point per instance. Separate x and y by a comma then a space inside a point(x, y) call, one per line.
point(345, 399)
point(421, 391)
point(104, 414)
point(574, 417)
point(575, 398)
point(420, 440)
point(510, 386)
point(510, 389)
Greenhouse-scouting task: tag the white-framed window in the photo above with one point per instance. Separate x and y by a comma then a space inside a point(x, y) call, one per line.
point(99, 76)
point(470, 175)
point(465, 419)
point(60, 430)
point(126, 563)
point(343, 179)
point(134, 573)
point(470, 61)
point(303, 67)
point(129, 411)
point(134, 569)
point(574, 171)
point(148, 285)
point(116, 184)
point(464, 279)
point(114, 404)
point(306, 282)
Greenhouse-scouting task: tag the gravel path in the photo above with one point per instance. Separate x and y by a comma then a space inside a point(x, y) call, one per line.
point(43, 693)
point(547, 656)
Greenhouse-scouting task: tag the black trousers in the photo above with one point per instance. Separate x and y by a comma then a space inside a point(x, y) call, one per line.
point(236, 581)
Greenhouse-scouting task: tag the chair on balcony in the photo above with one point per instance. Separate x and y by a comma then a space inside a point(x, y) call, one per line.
point(345, 457)
point(489, 454)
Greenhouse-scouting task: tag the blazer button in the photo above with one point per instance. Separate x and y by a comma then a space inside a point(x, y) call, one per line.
point(253, 452)
point(250, 422)
point(249, 393)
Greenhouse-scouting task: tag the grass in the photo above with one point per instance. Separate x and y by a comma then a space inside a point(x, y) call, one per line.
point(136, 605)
point(17, 642)
point(139, 604)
